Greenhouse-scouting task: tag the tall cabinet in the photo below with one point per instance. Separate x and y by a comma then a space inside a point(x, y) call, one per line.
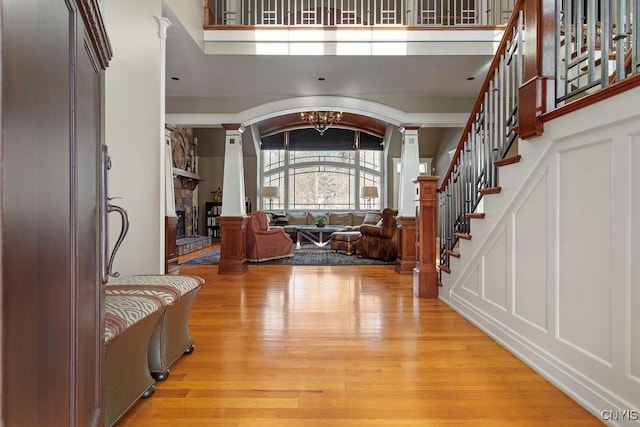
point(53, 57)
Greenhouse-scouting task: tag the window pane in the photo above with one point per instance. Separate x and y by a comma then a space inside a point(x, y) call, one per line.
point(273, 159)
point(369, 180)
point(274, 180)
point(321, 187)
point(298, 157)
point(371, 159)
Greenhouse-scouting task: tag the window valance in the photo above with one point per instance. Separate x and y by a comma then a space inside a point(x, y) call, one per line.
point(332, 140)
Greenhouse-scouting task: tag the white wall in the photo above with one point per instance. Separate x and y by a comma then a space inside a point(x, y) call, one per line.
point(552, 272)
point(133, 131)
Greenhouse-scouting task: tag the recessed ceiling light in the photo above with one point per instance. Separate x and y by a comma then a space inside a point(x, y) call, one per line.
point(471, 78)
point(175, 78)
point(321, 79)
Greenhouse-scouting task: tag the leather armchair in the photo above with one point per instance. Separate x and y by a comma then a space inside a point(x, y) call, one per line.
point(264, 243)
point(380, 241)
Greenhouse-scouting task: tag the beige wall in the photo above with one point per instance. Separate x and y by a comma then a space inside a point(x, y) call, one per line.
point(133, 131)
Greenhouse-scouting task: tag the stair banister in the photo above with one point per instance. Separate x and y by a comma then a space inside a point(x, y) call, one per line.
point(491, 130)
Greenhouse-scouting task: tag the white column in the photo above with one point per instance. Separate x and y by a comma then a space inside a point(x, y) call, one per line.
point(163, 24)
point(233, 195)
point(409, 170)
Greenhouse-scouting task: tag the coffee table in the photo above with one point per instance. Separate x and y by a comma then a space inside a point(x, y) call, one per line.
point(319, 236)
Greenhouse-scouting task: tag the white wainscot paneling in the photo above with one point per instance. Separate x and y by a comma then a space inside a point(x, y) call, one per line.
point(495, 263)
point(633, 257)
point(530, 229)
point(472, 284)
point(583, 231)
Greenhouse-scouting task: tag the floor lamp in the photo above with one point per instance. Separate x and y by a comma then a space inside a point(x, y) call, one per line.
point(271, 193)
point(369, 193)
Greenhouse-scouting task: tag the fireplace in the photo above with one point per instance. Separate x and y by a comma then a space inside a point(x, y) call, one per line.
point(181, 230)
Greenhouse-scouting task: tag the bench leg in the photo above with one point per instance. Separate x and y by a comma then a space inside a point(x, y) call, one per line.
point(148, 392)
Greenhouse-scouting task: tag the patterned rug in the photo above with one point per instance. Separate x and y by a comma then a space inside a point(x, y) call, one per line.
point(303, 256)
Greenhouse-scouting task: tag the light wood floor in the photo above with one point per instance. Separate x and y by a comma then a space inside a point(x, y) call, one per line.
point(338, 346)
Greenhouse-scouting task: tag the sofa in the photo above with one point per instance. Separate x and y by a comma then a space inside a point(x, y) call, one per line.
point(351, 221)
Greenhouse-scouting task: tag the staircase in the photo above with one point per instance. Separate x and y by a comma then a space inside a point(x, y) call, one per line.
point(539, 240)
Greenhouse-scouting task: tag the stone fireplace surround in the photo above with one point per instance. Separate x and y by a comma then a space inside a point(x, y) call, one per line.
point(188, 239)
point(185, 180)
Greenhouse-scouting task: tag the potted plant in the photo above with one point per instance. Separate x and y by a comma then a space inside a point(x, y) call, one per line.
point(320, 221)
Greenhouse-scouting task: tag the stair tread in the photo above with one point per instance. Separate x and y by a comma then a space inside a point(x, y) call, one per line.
point(453, 253)
point(477, 215)
point(508, 161)
point(490, 190)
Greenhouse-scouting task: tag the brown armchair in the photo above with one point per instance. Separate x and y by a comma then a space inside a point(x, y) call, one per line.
point(380, 241)
point(264, 243)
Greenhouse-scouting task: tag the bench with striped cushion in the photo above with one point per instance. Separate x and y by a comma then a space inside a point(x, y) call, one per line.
point(171, 337)
point(129, 323)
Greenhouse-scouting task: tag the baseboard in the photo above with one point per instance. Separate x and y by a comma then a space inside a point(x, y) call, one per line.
point(583, 390)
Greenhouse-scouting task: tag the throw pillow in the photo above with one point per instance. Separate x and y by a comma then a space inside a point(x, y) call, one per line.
point(372, 218)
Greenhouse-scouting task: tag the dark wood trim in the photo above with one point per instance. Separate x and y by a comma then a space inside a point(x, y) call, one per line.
point(425, 273)
point(230, 126)
point(406, 245)
point(238, 27)
point(490, 190)
point(233, 257)
point(508, 161)
point(533, 99)
point(476, 215)
point(606, 93)
point(170, 247)
point(92, 16)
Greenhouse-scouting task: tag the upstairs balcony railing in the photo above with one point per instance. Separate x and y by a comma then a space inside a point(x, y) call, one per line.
point(589, 48)
point(358, 13)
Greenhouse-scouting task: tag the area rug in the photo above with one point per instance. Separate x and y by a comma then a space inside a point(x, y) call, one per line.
point(304, 256)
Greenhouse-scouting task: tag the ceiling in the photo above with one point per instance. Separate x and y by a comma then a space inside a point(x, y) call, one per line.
point(406, 80)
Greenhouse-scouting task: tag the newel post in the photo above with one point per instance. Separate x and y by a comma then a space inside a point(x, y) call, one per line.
point(425, 275)
point(536, 91)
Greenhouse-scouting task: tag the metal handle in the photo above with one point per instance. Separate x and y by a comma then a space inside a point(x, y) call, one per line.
point(123, 232)
point(105, 163)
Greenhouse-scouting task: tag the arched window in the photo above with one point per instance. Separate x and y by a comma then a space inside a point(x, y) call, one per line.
point(329, 178)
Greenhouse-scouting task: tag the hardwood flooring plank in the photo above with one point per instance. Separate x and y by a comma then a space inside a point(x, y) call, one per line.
point(342, 346)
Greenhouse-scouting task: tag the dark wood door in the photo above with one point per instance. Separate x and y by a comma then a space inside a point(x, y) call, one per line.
point(51, 120)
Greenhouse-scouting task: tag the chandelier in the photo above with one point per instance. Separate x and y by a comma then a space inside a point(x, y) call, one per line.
point(321, 120)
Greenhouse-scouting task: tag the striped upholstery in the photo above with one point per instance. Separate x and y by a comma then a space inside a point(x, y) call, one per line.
point(123, 311)
point(168, 294)
point(181, 284)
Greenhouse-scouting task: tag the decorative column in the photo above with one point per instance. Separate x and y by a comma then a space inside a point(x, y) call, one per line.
point(409, 170)
point(168, 251)
point(425, 275)
point(233, 257)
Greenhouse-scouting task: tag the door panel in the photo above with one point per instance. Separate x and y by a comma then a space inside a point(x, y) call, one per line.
point(37, 212)
point(52, 326)
point(89, 293)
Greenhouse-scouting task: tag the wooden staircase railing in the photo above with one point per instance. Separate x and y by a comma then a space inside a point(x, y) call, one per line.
point(516, 100)
point(490, 135)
